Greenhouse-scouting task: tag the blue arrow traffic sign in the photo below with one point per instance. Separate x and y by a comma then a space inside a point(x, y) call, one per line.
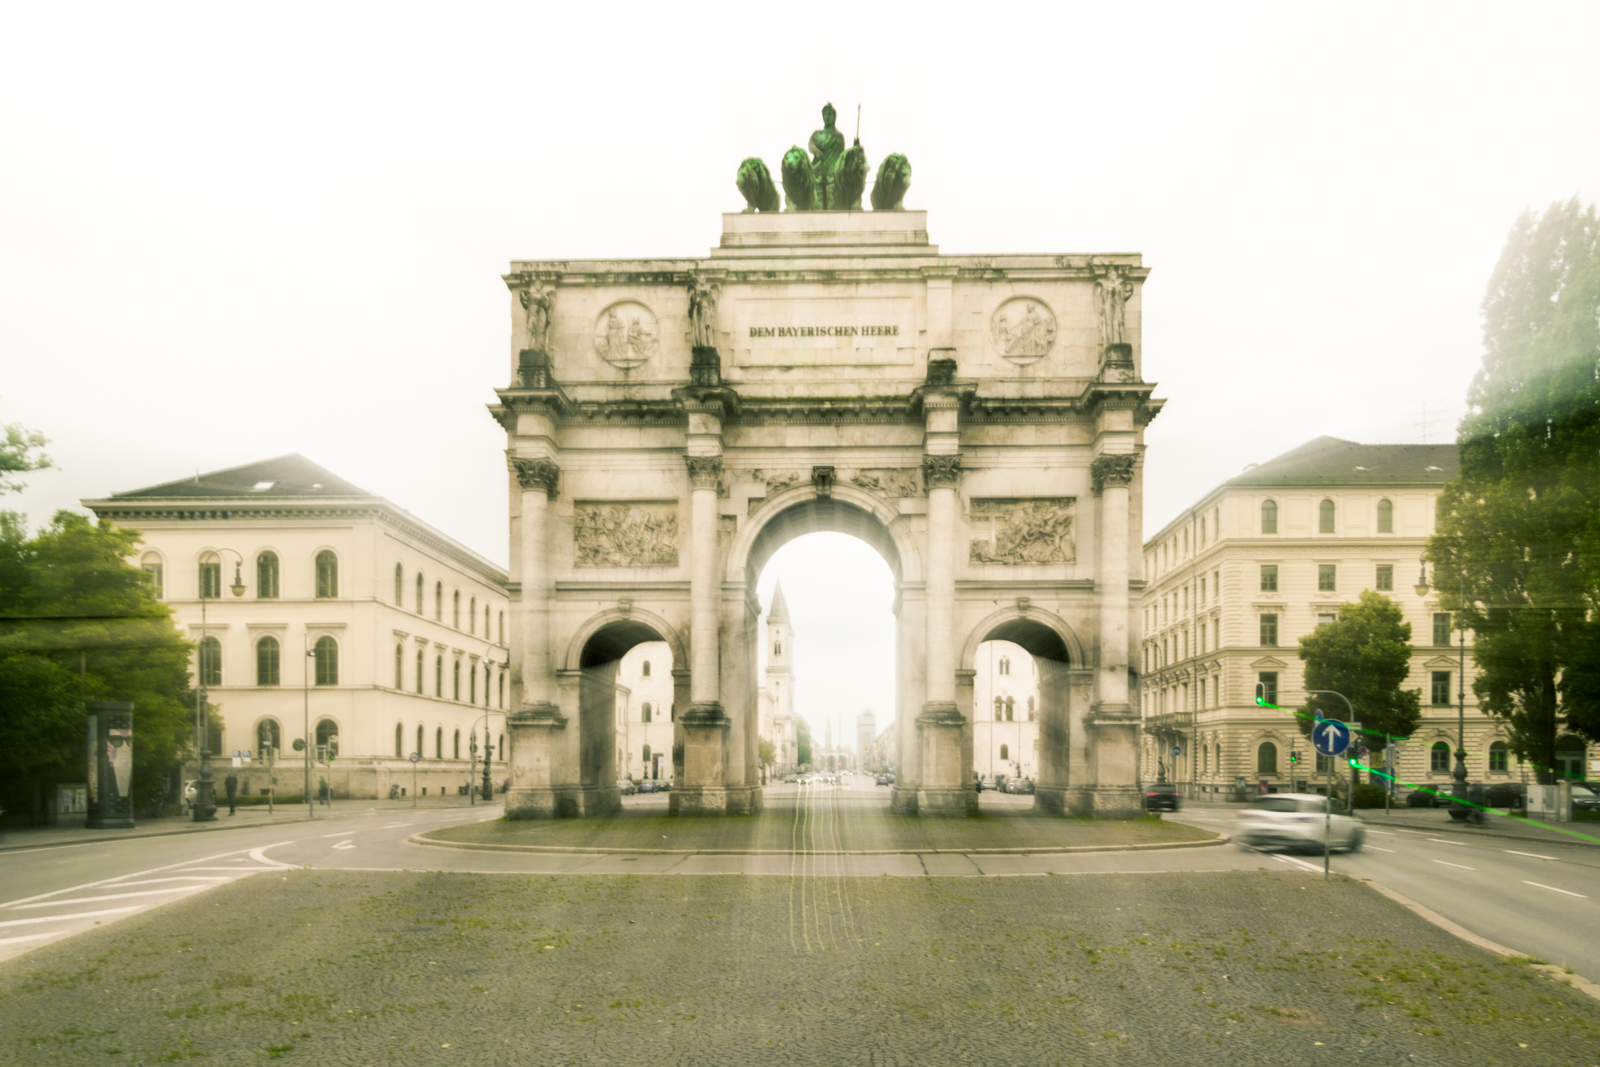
point(1176, 751)
point(1330, 736)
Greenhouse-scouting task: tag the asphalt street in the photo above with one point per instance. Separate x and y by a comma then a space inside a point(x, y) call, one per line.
point(1540, 899)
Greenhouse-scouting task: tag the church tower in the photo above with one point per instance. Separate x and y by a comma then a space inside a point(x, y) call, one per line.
point(780, 675)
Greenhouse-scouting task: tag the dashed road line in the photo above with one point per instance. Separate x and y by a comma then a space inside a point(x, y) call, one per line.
point(1553, 889)
point(1438, 841)
point(342, 833)
point(1462, 866)
point(1376, 848)
point(111, 896)
point(1535, 855)
point(64, 918)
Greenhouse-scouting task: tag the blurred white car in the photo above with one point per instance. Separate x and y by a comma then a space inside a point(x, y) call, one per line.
point(1297, 821)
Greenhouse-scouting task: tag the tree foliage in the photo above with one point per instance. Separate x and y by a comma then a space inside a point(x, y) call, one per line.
point(1365, 654)
point(766, 753)
point(78, 622)
point(20, 452)
point(1517, 548)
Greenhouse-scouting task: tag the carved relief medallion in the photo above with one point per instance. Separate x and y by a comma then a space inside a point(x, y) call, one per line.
point(1024, 329)
point(625, 334)
point(625, 535)
point(1023, 531)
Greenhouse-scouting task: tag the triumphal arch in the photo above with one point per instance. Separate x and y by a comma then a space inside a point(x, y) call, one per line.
point(978, 419)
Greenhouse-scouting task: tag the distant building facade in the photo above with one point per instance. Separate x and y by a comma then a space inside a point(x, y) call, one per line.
point(1261, 560)
point(776, 697)
point(645, 712)
point(1005, 711)
point(328, 603)
point(866, 734)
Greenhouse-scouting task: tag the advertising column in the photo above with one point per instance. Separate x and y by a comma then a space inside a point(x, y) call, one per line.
point(110, 765)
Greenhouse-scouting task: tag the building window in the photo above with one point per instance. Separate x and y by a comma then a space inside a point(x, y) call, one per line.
point(267, 576)
point(1216, 634)
point(268, 736)
point(1269, 577)
point(1267, 758)
point(1326, 618)
point(269, 658)
point(419, 743)
point(438, 676)
point(1327, 577)
point(1441, 627)
point(456, 750)
point(455, 610)
point(472, 616)
point(419, 592)
point(326, 652)
point(472, 681)
point(1325, 517)
point(1203, 693)
point(399, 666)
point(1385, 583)
point(327, 735)
point(1269, 517)
point(211, 580)
point(646, 713)
point(1202, 601)
point(438, 602)
point(1005, 665)
point(1269, 684)
point(455, 688)
point(1441, 689)
point(502, 625)
point(210, 661)
point(1202, 529)
point(1005, 752)
point(500, 697)
point(1385, 516)
point(399, 741)
point(419, 674)
point(1439, 758)
point(502, 747)
point(1030, 710)
point(327, 574)
point(645, 673)
point(1499, 757)
point(151, 565)
point(438, 743)
point(399, 585)
point(1269, 629)
point(1011, 709)
point(646, 754)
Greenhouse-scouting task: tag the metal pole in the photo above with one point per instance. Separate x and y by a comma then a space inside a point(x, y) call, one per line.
point(1327, 815)
point(305, 721)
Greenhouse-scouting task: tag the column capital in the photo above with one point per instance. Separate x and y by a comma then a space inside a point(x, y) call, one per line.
point(942, 472)
point(1112, 470)
point(705, 472)
point(541, 714)
point(537, 474)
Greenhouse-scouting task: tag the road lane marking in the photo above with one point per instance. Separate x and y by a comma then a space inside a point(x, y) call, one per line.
point(1535, 855)
point(343, 833)
point(79, 915)
point(1462, 866)
point(1436, 841)
point(1385, 833)
point(345, 844)
point(113, 896)
point(178, 878)
point(1552, 888)
point(393, 825)
point(257, 854)
point(1308, 866)
point(132, 874)
point(1380, 849)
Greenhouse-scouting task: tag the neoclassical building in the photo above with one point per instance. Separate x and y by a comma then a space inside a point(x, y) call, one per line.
point(1005, 711)
point(645, 712)
point(1236, 579)
point(332, 612)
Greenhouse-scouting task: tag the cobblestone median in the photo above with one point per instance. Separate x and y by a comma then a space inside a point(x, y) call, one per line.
point(365, 968)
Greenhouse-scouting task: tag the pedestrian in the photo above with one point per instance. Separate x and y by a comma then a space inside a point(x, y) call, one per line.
point(231, 784)
point(322, 792)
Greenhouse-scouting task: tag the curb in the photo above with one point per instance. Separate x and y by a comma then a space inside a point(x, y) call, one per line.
point(1576, 981)
point(422, 838)
point(154, 833)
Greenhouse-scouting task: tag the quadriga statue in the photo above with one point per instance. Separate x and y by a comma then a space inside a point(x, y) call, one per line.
point(831, 178)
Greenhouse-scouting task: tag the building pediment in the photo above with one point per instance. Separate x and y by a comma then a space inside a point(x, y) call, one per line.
point(1443, 661)
point(1268, 663)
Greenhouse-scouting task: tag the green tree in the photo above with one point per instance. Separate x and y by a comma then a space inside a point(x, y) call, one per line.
point(20, 452)
point(78, 622)
point(1517, 550)
point(802, 738)
point(1365, 654)
point(766, 753)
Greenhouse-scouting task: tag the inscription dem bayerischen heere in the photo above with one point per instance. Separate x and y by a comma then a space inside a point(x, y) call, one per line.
point(824, 331)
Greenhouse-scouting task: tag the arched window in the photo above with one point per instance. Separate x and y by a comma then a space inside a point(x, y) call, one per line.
point(472, 685)
point(268, 661)
point(645, 673)
point(1267, 758)
point(1011, 709)
point(327, 574)
point(1269, 516)
point(999, 709)
point(438, 743)
point(646, 713)
point(500, 698)
point(456, 749)
point(1325, 517)
point(210, 661)
point(1005, 752)
point(438, 602)
point(486, 614)
point(419, 742)
point(455, 690)
point(438, 676)
point(267, 576)
point(399, 585)
point(1499, 757)
point(1439, 758)
point(777, 648)
point(327, 737)
point(326, 651)
point(399, 741)
point(1386, 516)
point(455, 610)
point(154, 573)
point(1030, 709)
point(472, 616)
point(399, 666)
point(1005, 665)
point(210, 578)
point(268, 736)
point(647, 759)
point(502, 627)
point(419, 592)
point(419, 676)
point(502, 748)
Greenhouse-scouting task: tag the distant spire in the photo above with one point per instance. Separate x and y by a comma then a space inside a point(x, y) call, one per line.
point(779, 611)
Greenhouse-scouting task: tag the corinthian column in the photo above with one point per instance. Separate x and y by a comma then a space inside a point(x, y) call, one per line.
point(539, 479)
point(941, 474)
point(704, 614)
point(1112, 475)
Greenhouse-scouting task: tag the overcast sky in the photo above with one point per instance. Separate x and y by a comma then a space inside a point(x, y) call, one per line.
point(227, 233)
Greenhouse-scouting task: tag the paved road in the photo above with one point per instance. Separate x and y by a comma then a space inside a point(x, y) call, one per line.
point(1540, 899)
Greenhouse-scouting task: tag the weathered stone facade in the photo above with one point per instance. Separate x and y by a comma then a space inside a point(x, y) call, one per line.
point(964, 415)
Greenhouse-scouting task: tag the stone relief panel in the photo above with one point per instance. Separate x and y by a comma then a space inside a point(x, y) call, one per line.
point(1024, 330)
point(625, 535)
point(626, 335)
point(1023, 531)
point(891, 483)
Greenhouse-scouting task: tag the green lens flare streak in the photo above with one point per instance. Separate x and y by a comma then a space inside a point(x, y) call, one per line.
point(1424, 789)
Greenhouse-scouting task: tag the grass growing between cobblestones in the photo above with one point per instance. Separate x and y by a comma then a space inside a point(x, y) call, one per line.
point(822, 825)
point(320, 967)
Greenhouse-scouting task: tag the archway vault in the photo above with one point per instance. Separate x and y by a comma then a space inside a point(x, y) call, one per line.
point(608, 635)
point(799, 510)
point(1043, 634)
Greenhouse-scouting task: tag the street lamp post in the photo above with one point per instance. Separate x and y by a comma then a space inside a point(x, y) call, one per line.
point(205, 806)
point(1458, 789)
point(305, 722)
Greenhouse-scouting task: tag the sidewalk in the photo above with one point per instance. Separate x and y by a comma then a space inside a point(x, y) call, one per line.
point(1438, 820)
point(30, 837)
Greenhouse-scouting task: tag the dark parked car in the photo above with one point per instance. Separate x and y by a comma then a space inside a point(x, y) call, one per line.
point(1161, 797)
point(1508, 795)
point(1439, 797)
point(882, 779)
point(1584, 798)
point(1019, 785)
point(647, 786)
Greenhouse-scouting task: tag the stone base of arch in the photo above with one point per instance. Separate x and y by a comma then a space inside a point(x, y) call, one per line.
point(945, 747)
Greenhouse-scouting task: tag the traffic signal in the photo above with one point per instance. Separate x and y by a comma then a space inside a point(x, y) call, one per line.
point(1294, 757)
point(1261, 693)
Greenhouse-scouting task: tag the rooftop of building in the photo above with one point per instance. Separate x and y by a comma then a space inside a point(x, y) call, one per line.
point(1334, 461)
point(283, 477)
